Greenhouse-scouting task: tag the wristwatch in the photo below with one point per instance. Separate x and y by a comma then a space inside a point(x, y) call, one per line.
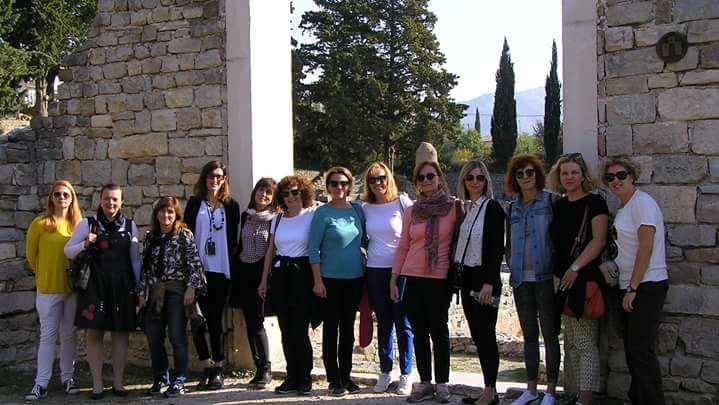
point(574, 268)
point(631, 289)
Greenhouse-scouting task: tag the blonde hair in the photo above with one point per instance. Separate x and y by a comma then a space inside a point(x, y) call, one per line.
point(368, 194)
point(588, 182)
point(73, 215)
point(442, 182)
point(462, 192)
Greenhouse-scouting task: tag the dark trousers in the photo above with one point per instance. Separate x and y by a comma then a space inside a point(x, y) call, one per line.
point(537, 299)
point(482, 321)
point(291, 292)
point(390, 316)
point(640, 334)
point(245, 284)
point(339, 312)
point(213, 306)
point(172, 317)
point(426, 301)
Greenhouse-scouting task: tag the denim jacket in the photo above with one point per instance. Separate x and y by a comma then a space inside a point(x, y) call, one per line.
point(537, 214)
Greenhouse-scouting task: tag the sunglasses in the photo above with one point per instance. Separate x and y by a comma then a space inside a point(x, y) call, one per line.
point(377, 179)
point(61, 194)
point(521, 173)
point(286, 193)
point(621, 175)
point(471, 178)
point(335, 183)
point(428, 176)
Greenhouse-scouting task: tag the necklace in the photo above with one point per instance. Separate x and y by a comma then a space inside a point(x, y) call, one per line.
point(211, 216)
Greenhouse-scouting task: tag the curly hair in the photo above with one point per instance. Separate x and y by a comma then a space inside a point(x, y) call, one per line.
point(634, 170)
point(511, 187)
point(307, 190)
point(588, 182)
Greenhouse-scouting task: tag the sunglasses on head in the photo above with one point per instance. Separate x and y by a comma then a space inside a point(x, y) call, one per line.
point(61, 194)
point(286, 193)
point(471, 177)
point(428, 176)
point(521, 173)
point(376, 179)
point(621, 175)
point(335, 183)
point(575, 155)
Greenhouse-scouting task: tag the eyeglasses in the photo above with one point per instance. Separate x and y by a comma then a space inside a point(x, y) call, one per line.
point(621, 175)
point(470, 178)
point(428, 176)
point(342, 183)
point(520, 174)
point(61, 194)
point(376, 179)
point(215, 176)
point(286, 193)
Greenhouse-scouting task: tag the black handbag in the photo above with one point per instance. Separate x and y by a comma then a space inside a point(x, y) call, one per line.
point(81, 267)
point(456, 269)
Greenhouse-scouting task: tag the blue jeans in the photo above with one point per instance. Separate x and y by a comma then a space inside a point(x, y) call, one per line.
point(390, 315)
point(173, 316)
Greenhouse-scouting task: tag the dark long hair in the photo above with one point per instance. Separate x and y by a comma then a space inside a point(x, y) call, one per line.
point(167, 202)
point(201, 185)
point(265, 182)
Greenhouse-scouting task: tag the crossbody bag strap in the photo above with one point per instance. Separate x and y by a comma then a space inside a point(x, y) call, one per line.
point(471, 228)
point(580, 234)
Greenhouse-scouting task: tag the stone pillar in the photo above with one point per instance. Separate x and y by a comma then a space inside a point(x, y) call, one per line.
point(579, 78)
point(259, 115)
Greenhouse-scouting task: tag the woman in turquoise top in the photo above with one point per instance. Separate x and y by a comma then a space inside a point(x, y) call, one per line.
point(336, 235)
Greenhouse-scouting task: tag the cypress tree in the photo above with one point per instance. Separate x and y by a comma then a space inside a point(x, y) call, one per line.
point(504, 114)
point(477, 123)
point(552, 105)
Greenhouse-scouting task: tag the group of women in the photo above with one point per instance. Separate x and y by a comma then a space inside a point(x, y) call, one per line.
point(311, 264)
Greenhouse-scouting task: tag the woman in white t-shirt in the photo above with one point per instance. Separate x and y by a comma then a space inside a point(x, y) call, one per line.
point(643, 277)
point(290, 285)
point(383, 207)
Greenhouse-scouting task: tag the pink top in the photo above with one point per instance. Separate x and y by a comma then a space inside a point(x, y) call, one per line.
point(410, 259)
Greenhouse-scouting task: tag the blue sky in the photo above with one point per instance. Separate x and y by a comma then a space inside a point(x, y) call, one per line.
point(470, 33)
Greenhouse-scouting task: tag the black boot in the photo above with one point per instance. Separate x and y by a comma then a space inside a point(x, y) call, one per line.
point(205, 379)
point(217, 380)
point(262, 379)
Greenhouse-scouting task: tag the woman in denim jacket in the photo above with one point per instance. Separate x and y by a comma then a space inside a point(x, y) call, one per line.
point(529, 255)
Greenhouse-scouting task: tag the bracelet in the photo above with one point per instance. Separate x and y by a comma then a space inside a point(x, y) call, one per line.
point(574, 267)
point(631, 289)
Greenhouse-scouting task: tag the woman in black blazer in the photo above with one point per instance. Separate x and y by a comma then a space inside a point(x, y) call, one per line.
point(480, 247)
point(213, 217)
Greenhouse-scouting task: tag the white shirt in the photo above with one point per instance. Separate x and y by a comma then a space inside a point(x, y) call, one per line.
point(292, 234)
point(384, 228)
point(641, 209)
point(220, 261)
point(474, 248)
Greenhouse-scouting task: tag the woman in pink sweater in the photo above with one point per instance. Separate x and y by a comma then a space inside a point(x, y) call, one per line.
point(423, 258)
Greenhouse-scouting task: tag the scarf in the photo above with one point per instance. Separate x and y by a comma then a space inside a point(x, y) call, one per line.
point(430, 209)
point(261, 216)
point(111, 225)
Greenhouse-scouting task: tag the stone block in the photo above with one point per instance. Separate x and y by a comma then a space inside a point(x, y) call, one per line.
point(700, 77)
point(132, 196)
point(170, 64)
point(688, 62)
point(685, 103)
point(184, 45)
point(164, 120)
point(69, 170)
point(24, 218)
point(163, 82)
point(618, 38)
point(118, 53)
point(214, 76)
point(710, 56)
point(209, 59)
point(705, 137)
point(208, 96)
point(693, 300)
point(134, 102)
point(189, 78)
point(138, 146)
point(684, 273)
point(107, 87)
point(216, 42)
point(101, 121)
point(703, 31)
point(7, 251)
point(101, 149)
point(141, 175)
point(115, 70)
point(116, 103)
point(679, 168)
point(173, 190)
point(169, 170)
point(188, 118)
point(68, 149)
point(142, 122)
point(627, 85)
point(710, 275)
point(84, 148)
point(154, 100)
point(186, 61)
point(649, 35)
point(697, 385)
point(180, 97)
point(633, 62)
point(151, 65)
point(676, 202)
point(190, 179)
point(692, 235)
point(687, 10)
point(96, 172)
point(214, 145)
point(143, 215)
point(667, 337)
point(710, 371)
point(119, 171)
point(187, 147)
point(699, 336)
point(122, 128)
point(136, 84)
point(662, 80)
point(631, 109)
point(17, 302)
point(708, 208)
point(212, 118)
point(193, 165)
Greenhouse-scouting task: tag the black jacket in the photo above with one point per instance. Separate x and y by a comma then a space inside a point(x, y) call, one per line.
point(232, 211)
point(492, 251)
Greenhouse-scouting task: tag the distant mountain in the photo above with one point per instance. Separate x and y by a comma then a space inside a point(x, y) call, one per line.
point(530, 109)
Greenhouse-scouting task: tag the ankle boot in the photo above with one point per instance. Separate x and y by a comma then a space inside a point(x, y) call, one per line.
point(205, 379)
point(217, 380)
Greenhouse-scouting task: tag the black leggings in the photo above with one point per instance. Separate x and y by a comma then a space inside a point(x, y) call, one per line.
point(340, 311)
point(212, 305)
point(482, 320)
point(244, 294)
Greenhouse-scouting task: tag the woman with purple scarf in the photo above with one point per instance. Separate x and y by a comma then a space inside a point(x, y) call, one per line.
point(422, 258)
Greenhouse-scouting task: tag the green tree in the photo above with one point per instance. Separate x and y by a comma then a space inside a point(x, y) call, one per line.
point(504, 115)
point(529, 144)
point(552, 106)
point(13, 61)
point(380, 88)
point(49, 30)
point(477, 121)
point(467, 145)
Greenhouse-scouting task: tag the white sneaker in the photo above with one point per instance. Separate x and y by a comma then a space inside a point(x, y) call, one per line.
point(383, 382)
point(526, 398)
point(548, 399)
point(405, 385)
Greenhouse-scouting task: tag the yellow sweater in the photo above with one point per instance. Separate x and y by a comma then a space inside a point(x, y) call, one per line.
point(44, 252)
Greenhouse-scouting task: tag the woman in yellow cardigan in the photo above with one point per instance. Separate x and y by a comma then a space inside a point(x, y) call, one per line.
point(55, 302)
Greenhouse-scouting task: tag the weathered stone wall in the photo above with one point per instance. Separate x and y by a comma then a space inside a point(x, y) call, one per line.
point(666, 117)
point(143, 105)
